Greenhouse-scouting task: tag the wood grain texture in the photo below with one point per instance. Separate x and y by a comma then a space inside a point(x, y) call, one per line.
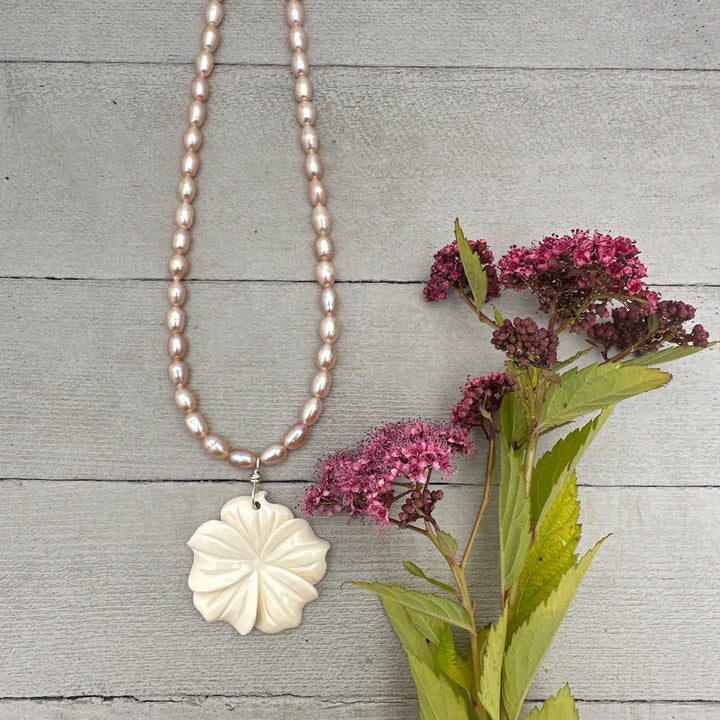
point(85, 395)
point(515, 154)
point(95, 601)
point(527, 33)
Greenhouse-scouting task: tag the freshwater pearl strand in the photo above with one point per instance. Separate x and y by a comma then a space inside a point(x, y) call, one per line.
point(216, 445)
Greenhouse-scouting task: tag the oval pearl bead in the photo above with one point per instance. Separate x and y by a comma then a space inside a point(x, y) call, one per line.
point(214, 12)
point(313, 166)
point(243, 459)
point(295, 436)
point(216, 446)
point(325, 273)
point(177, 372)
point(328, 300)
point(178, 266)
point(175, 319)
point(192, 139)
point(294, 12)
point(326, 357)
point(196, 424)
point(329, 329)
point(321, 382)
point(297, 37)
point(306, 112)
point(184, 215)
point(189, 163)
point(196, 113)
point(176, 293)
point(205, 62)
point(273, 454)
point(324, 247)
point(186, 189)
point(321, 220)
point(299, 63)
point(176, 347)
point(209, 37)
point(303, 88)
point(317, 194)
point(311, 411)
point(199, 88)
point(309, 139)
point(185, 400)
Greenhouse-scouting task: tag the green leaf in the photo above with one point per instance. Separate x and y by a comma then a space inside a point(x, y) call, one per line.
point(436, 697)
point(448, 544)
point(559, 707)
point(558, 464)
point(413, 569)
point(666, 355)
point(532, 639)
point(564, 363)
point(513, 419)
point(414, 640)
point(491, 669)
point(499, 319)
point(451, 663)
point(514, 515)
point(552, 553)
point(595, 387)
point(472, 265)
point(433, 606)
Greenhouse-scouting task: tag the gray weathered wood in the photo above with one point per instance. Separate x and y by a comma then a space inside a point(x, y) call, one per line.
point(95, 602)
point(85, 393)
point(528, 33)
point(88, 190)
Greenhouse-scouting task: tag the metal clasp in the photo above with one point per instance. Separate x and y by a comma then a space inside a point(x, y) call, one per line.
point(255, 480)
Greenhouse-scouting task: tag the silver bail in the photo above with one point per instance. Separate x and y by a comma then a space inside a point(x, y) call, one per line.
point(255, 480)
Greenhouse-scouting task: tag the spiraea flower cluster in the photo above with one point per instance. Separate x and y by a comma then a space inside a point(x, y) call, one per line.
point(395, 461)
point(525, 343)
point(481, 399)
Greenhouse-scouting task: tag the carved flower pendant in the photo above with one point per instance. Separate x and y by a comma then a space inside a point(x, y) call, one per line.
point(256, 567)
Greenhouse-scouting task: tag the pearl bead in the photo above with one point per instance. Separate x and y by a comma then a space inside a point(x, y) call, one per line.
point(273, 454)
point(326, 357)
point(309, 139)
point(294, 12)
point(216, 446)
point(177, 372)
point(324, 247)
point(196, 424)
point(178, 266)
point(186, 190)
point(299, 63)
point(196, 113)
point(317, 195)
point(329, 329)
point(311, 411)
point(199, 88)
point(295, 436)
point(176, 347)
point(175, 319)
point(303, 88)
point(243, 459)
point(328, 300)
point(321, 220)
point(176, 293)
point(184, 215)
point(205, 62)
point(306, 112)
point(297, 37)
point(214, 12)
point(321, 382)
point(192, 139)
point(189, 163)
point(185, 400)
point(313, 166)
point(325, 273)
point(210, 37)
point(181, 237)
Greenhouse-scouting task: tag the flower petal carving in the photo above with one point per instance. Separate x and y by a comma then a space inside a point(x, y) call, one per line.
point(256, 567)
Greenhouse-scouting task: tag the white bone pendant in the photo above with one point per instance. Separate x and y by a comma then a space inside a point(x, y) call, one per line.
point(256, 567)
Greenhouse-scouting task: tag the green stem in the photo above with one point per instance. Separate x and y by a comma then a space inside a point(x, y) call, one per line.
point(535, 414)
point(481, 315)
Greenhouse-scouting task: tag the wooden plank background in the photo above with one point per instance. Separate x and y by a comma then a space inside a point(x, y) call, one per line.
point(522, 118)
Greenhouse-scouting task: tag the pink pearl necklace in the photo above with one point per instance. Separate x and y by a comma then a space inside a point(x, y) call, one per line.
point(216, 445)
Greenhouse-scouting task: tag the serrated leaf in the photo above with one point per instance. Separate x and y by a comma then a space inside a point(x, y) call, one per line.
point(436, 698)
point(513, 419)
point(514, 515)
point(558, 707)
point(472, 265)
point(595, 387)
point(531, 641)
point(491, 669)
point(666, 355)
point(451, 663)
point(448, 544)
point(552, 553)
point(557, 464)
point(564, 363)
point(413, 569)
point(433, 606)
point(413, 639)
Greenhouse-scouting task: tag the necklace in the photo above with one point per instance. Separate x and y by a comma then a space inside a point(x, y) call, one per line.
point(257, 565)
